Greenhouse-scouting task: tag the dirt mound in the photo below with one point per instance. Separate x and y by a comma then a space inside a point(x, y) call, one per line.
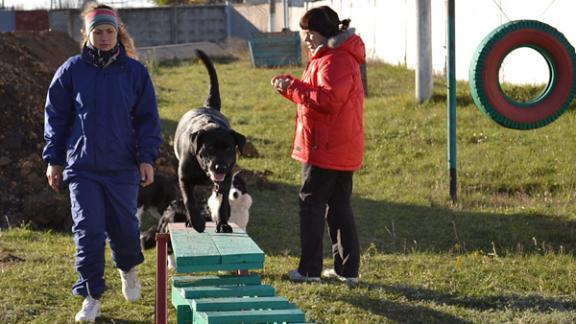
point(28, 61)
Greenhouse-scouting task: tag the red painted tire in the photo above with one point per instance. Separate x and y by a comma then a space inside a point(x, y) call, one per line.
point(551, 103)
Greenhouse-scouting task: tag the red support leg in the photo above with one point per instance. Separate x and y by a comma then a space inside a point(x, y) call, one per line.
point(161, 278)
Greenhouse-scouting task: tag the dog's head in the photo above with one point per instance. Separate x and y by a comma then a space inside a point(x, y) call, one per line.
point(215, 149)
point(238, 187)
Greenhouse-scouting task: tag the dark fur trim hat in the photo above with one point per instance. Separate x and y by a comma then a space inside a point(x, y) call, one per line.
point(322, 20)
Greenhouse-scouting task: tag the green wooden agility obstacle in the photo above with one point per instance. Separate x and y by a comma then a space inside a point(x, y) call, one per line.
point(217, 298)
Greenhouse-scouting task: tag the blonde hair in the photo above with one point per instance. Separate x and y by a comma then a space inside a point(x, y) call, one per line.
point(123, 36)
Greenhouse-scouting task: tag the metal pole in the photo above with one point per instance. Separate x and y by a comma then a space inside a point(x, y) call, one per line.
point(271, 15)
point(228, 20)
point(424, 51)
point(451, 99)
point(161, 313)
point(285, 6)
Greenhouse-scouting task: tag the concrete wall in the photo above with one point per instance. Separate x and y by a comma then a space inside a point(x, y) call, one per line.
point(157, 26)
point(249, 19)
point(67, 21)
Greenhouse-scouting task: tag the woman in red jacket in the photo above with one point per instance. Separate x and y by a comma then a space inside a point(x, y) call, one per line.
point(328, 141)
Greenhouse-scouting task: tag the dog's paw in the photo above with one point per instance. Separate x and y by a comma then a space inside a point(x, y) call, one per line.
point(197, 222)
point(198, 226)
point(223, 228)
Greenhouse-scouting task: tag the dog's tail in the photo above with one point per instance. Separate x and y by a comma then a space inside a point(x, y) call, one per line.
point(213, 100)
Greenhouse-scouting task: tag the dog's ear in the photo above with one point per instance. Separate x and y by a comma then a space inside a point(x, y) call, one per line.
point(240, 140)
point(195, 141)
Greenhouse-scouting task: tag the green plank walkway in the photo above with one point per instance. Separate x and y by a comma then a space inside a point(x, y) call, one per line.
point(225, 298)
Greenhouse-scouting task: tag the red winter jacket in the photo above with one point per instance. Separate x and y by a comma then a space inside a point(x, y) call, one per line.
point(329, 132)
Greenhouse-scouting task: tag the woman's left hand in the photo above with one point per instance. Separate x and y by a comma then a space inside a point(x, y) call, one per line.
point(146, 174)
point(281, 82)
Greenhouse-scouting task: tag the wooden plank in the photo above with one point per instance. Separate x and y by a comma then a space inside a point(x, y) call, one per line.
point(176, 226)
point(198, 252)
point(267, 45)
point(214, 280)
point(190, 248)
point(183, 268)
point(289, 48)
point(197, 319)
point(275, 60)
point(282, 36)
point(255, 316)
point(240, 303)
point(211, 227)
point(227, 291)
point(183, 308)
point(275, 49)
point(237, 248)
point(281, 53)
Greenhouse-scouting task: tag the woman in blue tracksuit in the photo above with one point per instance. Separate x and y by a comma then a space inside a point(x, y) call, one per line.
point(102, 133)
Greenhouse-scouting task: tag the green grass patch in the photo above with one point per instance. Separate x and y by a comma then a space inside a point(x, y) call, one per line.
point(502, 253)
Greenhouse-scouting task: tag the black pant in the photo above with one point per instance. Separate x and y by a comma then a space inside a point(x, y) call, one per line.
point(325, 194)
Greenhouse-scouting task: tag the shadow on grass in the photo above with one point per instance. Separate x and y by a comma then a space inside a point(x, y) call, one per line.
point(402, 228)
point(461, 100)
point(513, 302)
point(419, 314)
point(400, 313)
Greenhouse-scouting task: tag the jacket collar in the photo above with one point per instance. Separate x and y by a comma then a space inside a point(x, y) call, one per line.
point(333, 42)
point(101, 59)
point(336, 41)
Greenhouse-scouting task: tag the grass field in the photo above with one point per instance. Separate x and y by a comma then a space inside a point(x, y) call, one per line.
point(503, 253)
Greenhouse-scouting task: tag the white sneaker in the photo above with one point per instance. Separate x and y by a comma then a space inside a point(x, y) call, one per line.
point(331, 273)
point(130, 285)
point(90, 310)
point(295, 276)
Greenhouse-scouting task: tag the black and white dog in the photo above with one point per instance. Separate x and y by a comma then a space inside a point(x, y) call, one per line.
point(240, 202)
point(206, 147)
point(175, 213)
point(157, 196)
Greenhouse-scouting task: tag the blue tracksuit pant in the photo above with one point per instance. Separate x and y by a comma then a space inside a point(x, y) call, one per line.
point(102, 209)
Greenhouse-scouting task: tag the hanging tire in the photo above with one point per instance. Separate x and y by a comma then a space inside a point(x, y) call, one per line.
point(548, 105)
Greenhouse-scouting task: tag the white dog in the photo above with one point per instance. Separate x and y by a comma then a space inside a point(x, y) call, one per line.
point(240, 202)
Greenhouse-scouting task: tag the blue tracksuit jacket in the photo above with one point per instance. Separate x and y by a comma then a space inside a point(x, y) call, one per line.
point(101, 119)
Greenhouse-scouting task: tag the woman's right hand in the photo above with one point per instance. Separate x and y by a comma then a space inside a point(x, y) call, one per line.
point(54, 175)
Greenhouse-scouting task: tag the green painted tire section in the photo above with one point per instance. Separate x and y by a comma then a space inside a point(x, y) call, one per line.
point(548, 105)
